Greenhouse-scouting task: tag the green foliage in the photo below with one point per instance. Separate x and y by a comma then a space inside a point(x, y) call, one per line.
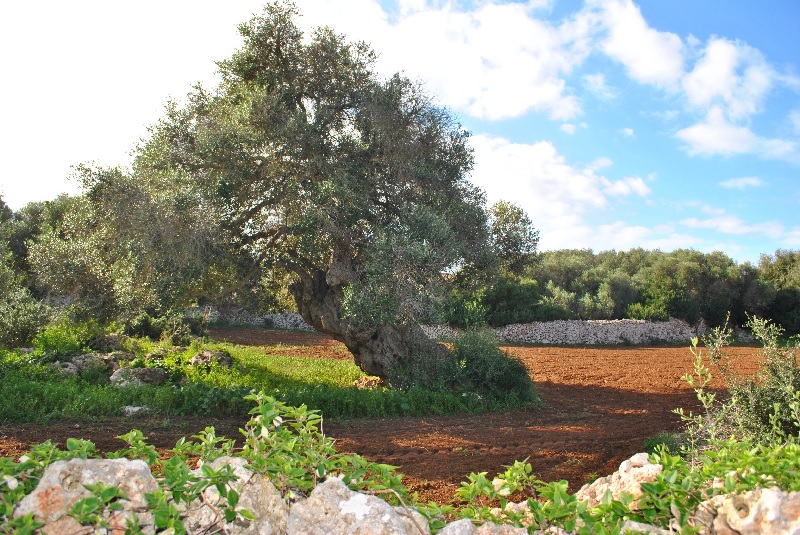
point(510, 300)
point(653, 285)
point(488, 370)
point(21, 317)
point(766, 408)
point(513, 237)
point(461, 311)
point(172, 327)
point(66, 337)
point(31, 390)
point(282, 442)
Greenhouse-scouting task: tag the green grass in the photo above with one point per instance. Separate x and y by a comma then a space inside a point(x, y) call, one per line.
point(31, 391)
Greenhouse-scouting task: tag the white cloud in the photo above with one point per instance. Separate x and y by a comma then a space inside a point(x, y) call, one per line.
point(730, 224)
point(567, 128)
point(650, 56)
point(559, 197)
point(732, 75)
point(626, 186)
point(716, 135)
point(628, 131)
point(596, 83)
point(794, 121)
point(493, 61)
point(742, 182)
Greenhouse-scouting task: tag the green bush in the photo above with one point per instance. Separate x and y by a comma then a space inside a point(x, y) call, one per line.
point(510, 300)
point(21, 318)
point(767, 406)
point(463, 312)
point(488, 370)
point(649, 311)
point(171, 326)
point(785, 309)
point(549, 312)
point(66, 337)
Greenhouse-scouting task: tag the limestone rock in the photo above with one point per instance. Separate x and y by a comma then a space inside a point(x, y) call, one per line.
point(636, 470)
point(124, 377)
point(66, 368)
point(639, 527)
point(62, 485)
point(771, 511)
point(494, 529)
point(208, 357)
point(256, 494)
point(459, 527)
point(333, 509)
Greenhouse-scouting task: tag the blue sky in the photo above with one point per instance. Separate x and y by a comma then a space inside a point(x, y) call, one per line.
point(615, 124)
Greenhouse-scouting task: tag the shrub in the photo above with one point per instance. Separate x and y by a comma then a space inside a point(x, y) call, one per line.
point(489, 370)
point(510, 300)
point(649, 311)
point(463, 312)
point(21, 318)
point(768, 404)
point(172, 327)
point(66, 337)
point(422, 367)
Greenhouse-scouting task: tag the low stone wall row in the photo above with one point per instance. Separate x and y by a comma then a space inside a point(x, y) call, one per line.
point(567, 332)
point(333, 509)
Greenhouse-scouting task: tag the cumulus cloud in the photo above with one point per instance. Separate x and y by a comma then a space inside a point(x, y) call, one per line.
point(650, 56)
point(731, 224)
point(716, 135)
point(742, 182)
point(596, 83)
point(628, 131)
point(626, 186)
point(568, 128)
point(491, 61)
point(732, 75)
point(560, 197)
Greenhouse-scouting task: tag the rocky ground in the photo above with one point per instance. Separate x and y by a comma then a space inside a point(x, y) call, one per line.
point(599, 405)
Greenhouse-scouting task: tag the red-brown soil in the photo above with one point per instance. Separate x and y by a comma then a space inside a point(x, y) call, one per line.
point(599, 405)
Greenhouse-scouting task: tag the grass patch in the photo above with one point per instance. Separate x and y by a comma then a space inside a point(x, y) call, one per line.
point(33, 390)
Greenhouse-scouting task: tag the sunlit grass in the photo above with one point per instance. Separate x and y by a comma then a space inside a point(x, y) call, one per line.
point(31, 390)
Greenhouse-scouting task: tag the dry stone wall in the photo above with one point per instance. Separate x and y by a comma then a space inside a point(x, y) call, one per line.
point(586, 332)
point(567, 332)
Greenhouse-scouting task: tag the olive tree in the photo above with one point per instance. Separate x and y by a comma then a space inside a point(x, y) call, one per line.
point(354, 184)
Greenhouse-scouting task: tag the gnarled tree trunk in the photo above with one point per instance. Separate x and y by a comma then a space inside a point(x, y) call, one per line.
point(377, 349)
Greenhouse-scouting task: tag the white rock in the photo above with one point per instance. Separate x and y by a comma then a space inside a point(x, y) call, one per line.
point(334, 509)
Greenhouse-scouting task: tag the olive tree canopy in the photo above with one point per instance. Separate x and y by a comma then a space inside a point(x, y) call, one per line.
point(353, 183)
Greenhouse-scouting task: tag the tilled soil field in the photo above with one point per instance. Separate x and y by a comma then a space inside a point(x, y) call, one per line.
point(599, 405)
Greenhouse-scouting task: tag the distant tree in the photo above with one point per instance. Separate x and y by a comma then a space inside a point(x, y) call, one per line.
point(513, 237)
point(782, 271)
point(5, 212)
point(354, 185)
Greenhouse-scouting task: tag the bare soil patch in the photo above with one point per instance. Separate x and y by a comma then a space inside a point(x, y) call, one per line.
point(599, 405)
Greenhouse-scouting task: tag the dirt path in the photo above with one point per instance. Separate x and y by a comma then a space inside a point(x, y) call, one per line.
point(599, 405)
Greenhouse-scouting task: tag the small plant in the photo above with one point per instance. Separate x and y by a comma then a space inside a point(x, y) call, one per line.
point(89, 511)
point(65, 337)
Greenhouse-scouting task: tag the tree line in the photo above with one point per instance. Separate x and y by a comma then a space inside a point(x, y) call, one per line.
point(636, 284)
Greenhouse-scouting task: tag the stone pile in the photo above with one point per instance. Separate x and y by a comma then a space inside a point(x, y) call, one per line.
point(599, 332)
point(334, 509)
point(566, 332)
point(584, 332)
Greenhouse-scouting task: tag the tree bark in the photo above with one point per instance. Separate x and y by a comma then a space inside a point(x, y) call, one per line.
point(376, 349)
